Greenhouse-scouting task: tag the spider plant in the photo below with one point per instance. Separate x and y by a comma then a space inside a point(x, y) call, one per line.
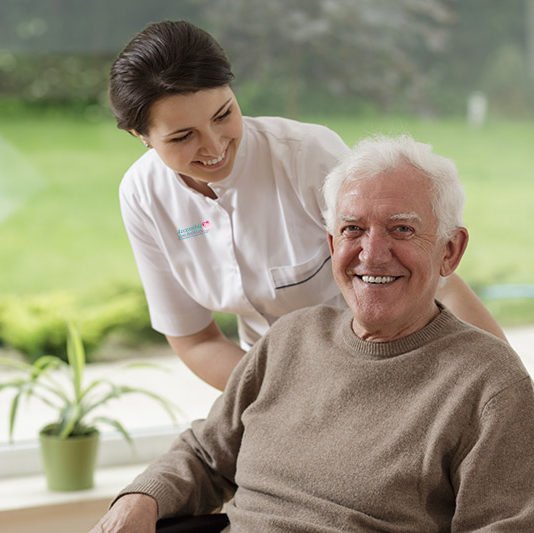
point(75, 403)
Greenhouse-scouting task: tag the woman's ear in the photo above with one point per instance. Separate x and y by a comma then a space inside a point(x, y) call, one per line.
point(454, 249)
point(143, 139)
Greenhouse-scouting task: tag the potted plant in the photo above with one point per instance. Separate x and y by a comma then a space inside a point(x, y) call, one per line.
point(69, 445)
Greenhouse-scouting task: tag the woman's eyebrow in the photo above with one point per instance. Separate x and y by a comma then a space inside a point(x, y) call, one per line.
point(222, 107)
point(181, 130)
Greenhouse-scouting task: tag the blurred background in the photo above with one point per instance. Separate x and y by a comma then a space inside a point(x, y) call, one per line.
point(458, 75)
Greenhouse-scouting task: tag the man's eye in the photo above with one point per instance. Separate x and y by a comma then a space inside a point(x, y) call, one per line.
point(404, 230)
point(351, 228)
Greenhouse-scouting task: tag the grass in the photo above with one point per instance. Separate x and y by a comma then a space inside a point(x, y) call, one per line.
point(69, 233)
point(66, 231)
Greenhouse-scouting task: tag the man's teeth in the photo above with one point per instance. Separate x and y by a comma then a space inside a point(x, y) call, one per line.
point(214, 161)
point(378, 279)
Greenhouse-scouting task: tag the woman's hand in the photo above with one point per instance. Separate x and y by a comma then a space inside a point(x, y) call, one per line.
point(131, 513)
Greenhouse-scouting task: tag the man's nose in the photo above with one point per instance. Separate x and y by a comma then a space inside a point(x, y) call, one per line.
point(376, 248)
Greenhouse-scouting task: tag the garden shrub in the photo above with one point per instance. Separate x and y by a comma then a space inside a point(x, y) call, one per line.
point(36, 324)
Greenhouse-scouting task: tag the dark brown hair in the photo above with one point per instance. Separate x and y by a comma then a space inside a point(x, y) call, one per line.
point(165, 58)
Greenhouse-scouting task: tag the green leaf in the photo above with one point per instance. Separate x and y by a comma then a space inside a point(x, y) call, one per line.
point(154, 366)
point(13, 413)
point(18, 365)
point(16, 383)
point(94, 384)
point(47, 401)
point(70, 417)
point(55, 389)
point(167, 405)
point(76, 357)
point(117, 425)
point(45, 363)
point(92, 403)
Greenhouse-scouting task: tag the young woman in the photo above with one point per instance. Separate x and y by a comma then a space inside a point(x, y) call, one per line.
point(223, 212)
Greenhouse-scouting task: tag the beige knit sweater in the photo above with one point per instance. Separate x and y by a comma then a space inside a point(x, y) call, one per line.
point(320, 431)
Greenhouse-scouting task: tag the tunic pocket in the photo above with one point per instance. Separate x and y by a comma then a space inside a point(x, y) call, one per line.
point(305, 284)
point(289, 276)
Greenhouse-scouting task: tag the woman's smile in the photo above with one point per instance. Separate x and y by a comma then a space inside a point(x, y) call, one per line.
point(218, 162)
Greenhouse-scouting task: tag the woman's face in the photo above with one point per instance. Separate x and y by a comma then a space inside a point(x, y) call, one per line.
point(197, 134)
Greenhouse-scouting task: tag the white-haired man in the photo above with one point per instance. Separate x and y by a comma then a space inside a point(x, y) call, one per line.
point(392, 415)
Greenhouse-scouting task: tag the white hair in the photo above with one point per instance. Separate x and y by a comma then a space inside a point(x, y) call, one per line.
point(375, 155)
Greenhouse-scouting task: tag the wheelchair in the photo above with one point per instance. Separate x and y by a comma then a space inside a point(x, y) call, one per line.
point(209, 523)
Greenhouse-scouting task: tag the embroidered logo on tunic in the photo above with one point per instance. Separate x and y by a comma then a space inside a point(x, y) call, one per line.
point(194, 231)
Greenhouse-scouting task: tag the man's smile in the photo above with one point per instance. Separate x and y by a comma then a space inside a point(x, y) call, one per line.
point(381, 280)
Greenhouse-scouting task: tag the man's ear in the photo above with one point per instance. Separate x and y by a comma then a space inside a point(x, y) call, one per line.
point(330, 243)
point(453, 251)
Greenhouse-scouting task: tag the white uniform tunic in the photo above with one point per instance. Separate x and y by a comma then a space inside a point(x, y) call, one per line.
point(259, 250)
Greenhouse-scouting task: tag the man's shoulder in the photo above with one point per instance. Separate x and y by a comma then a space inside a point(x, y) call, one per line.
point(482, 354)
point(470, 335)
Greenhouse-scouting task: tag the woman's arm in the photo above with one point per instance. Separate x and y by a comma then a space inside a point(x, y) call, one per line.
point(209, 354)
point(465, 304)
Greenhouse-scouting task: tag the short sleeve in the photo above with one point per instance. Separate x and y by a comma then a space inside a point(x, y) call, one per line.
point(321, 150)
point(172, 311)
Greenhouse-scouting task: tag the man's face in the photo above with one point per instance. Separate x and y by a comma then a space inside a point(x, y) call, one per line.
point(386, 255)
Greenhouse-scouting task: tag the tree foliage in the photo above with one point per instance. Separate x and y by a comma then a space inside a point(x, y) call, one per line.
point(345, 49)
point(289, 56)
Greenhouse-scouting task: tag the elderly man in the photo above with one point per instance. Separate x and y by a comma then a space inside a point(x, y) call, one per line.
point(392, 415)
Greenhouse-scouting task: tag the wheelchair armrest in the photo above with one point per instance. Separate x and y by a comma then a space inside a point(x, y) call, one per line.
point(209, 523)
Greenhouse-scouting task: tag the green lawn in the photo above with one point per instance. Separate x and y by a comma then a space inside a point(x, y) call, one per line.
point(67, 233)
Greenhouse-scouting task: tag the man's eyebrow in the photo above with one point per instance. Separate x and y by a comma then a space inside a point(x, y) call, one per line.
point(349, 218)
point(406, 216)
point(181, 130)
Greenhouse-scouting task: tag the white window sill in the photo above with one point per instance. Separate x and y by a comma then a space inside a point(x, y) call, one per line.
point(27, 506)
point(31, 492)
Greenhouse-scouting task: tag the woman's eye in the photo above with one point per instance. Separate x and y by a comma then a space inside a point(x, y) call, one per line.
point(182, 138)
point(224, 115)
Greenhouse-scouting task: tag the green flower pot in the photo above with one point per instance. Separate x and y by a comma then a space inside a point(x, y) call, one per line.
point(69, 464)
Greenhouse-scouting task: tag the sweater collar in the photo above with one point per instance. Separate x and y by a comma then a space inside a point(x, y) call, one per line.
point(382, 350)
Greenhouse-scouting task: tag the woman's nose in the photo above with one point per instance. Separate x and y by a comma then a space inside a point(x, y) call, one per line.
point(212, 143)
